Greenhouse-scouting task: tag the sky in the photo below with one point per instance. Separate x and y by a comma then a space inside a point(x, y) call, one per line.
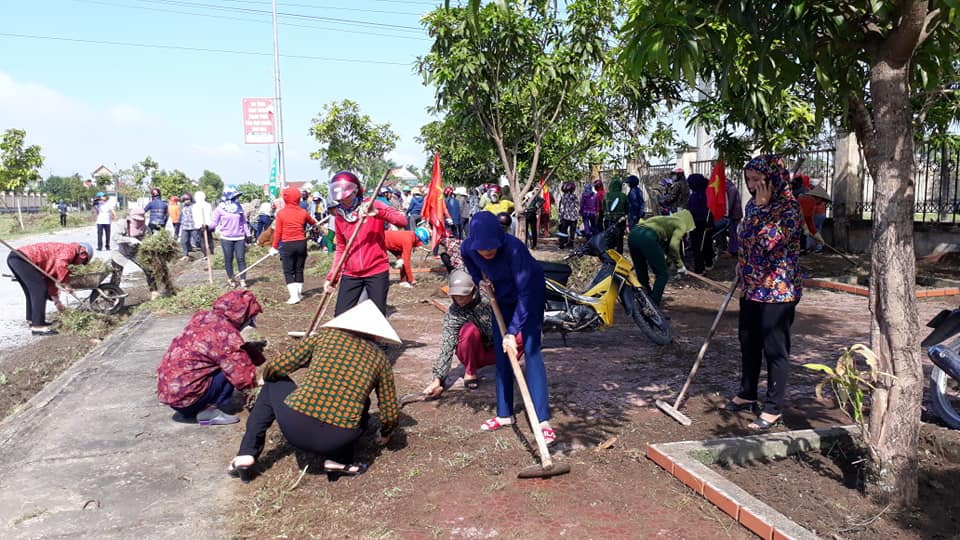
point(89, 103)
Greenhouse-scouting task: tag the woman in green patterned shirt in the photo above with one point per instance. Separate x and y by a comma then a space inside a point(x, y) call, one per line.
point(328, 411)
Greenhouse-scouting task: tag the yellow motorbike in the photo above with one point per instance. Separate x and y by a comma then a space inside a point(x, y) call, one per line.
point(569, 311)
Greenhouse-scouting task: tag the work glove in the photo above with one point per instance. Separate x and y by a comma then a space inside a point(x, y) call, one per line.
point(273, 252)
point(818, 238)
point(681, 272)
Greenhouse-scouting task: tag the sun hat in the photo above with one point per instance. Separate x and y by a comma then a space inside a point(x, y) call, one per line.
point(460, 283)
point(365, 318)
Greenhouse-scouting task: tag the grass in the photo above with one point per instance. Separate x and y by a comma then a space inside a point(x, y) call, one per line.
point(41, 222)
point(321, 263)
point(186, 300)
point(253, 254)
point(86, 323)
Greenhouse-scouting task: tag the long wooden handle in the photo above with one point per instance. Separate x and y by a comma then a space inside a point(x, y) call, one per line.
point(364, 209)
point(249, 268)
point(57, 282)
point(524, 391)
point(706, 342)
point(707, 280)
point(206, 253)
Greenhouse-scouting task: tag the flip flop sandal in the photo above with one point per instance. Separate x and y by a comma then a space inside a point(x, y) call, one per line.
point(759, 424)
point(494, 424)
point(471, 384)
point(243, 472)
point(733, 406)
point(549, 435)
point(353, 469)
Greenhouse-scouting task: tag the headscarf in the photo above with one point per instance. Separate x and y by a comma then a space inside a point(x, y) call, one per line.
point(775, 170)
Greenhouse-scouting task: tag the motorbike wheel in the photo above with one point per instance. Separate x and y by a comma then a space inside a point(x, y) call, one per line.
point(108, 303)
point(649, 319)
point(945, 397)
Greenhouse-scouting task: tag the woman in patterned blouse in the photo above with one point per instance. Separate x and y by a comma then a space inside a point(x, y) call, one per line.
point(328, 412)
point(770, 273)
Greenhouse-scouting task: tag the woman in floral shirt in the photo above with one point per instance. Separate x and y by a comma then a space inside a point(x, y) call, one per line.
point(770, 273)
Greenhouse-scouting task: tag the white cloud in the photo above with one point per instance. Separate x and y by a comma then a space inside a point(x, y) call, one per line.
point(126, 115)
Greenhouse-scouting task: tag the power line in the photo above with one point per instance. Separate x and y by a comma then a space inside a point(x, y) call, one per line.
point(202, 49)
point(259, 21)
point(181, 3)
point(325, 6)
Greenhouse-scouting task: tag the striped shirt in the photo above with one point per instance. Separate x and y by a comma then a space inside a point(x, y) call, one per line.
point(343, 369)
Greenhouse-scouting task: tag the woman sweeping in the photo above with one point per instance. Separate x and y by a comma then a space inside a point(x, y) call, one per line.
point(54, 258)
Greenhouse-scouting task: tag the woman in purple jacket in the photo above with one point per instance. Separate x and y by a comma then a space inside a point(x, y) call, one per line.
point(228, 220)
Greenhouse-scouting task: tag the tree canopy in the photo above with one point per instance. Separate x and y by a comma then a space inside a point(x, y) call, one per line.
point(19, 164)
point(350, 140)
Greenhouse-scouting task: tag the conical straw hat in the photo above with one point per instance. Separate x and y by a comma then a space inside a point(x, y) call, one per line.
point(819, 193)
point(365, 318)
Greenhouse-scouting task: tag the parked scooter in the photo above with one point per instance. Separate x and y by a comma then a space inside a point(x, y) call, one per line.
point(943, 348)
point(568, 311)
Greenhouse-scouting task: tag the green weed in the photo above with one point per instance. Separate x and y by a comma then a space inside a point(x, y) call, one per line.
point(187, 300)
point(86, 323)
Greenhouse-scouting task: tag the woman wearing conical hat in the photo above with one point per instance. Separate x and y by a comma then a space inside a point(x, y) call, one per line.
point(328, 411)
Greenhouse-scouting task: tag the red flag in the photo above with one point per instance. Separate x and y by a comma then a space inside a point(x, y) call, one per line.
point(717, 191)
point(434, 210)
point(545, 193)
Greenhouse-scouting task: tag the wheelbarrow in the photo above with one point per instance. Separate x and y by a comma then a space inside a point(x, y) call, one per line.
point(106, 296)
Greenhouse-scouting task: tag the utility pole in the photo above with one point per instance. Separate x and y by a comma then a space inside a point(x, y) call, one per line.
point(278, 104)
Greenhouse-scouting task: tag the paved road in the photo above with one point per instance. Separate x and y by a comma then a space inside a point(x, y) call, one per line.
point(13, 331)
point(94, 455)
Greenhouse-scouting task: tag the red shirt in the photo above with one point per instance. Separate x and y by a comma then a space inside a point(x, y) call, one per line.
point(53, 258)
point(368, 255)
point(290, 224)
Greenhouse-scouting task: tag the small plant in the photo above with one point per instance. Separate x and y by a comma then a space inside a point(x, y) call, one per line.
point(86, 323)
point(849, 382)
point(187, 300)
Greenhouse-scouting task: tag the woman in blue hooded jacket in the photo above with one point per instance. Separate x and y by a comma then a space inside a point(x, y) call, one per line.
point(517, 278)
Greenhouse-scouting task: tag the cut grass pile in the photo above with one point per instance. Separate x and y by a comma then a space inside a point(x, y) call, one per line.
point(187, 300)
point(87, 323)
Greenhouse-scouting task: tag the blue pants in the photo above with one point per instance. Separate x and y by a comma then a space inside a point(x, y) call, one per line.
point(534, 370)
point(217, 394)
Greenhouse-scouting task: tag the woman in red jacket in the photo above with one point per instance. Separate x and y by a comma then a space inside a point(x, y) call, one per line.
point(367, 267)
point(290, 241)
point(53, 258)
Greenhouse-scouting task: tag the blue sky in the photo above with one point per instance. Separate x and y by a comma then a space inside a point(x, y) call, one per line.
point(89, 104)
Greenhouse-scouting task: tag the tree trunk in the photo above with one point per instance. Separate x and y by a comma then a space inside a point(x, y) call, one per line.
point(894, 423)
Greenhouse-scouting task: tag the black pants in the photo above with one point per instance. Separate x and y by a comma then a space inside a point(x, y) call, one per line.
point(568, 228)
point(63, 220)
point(531, 226)
point(616, 240)
point(34, 287)
point(302, 431)
point(765, 333)
point(176, 229)
point(351, 288)
point(103, 231)
point(701, 244)
point(188, 238)
point(293, 256)
point(231, 249)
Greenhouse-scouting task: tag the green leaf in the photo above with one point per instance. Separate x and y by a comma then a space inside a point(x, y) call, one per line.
point(820, 367)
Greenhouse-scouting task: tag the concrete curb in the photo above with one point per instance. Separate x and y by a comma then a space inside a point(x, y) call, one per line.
point(860, 290)
point(689, 462)
point(83, 367)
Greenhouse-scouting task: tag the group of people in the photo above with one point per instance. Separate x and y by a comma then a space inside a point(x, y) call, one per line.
point(328, 410)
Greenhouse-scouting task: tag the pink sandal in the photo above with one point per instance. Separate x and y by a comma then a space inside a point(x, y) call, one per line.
point(548, 435)
point(494, 424)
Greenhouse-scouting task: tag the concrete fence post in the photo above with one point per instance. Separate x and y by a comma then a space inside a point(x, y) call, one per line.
point(847, 188)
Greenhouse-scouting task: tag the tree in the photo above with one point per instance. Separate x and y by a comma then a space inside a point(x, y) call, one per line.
point(251, 191)
point(68, 188)
point(872, 66)
point(19, 165)
point(349, 140)
point(210, 184)
point(173, 183)
point(521, 71)
point(467, 155)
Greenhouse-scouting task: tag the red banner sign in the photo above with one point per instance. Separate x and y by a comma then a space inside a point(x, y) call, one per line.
point(259, 125)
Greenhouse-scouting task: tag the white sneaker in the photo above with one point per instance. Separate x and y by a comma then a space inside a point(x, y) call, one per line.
point(154, 295)
point(406, 285)
point(398, 264)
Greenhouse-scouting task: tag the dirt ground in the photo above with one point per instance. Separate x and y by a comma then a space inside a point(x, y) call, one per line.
point(827, 492)
point(443, 477)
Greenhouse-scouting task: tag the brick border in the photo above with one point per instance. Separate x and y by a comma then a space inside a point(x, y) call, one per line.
point(689, 462)
point(860, 290)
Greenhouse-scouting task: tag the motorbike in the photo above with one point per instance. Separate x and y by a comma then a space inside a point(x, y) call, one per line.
point(569, 311)
point(943, 349)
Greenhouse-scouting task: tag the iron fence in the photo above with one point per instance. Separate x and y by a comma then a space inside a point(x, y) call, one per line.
point(936, 184)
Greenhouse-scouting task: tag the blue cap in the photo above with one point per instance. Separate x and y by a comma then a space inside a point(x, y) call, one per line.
point(88, 248)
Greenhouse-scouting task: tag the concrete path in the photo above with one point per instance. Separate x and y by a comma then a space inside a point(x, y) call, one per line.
point(94, 455)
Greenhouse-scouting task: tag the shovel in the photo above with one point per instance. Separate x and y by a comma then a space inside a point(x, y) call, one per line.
point(235, 280)
point(547, 467)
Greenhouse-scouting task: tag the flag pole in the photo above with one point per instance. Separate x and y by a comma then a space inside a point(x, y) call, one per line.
point(278, 104)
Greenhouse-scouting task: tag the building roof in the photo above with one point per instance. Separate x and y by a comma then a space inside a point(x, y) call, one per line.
point(403, 174)
point(101, 171)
